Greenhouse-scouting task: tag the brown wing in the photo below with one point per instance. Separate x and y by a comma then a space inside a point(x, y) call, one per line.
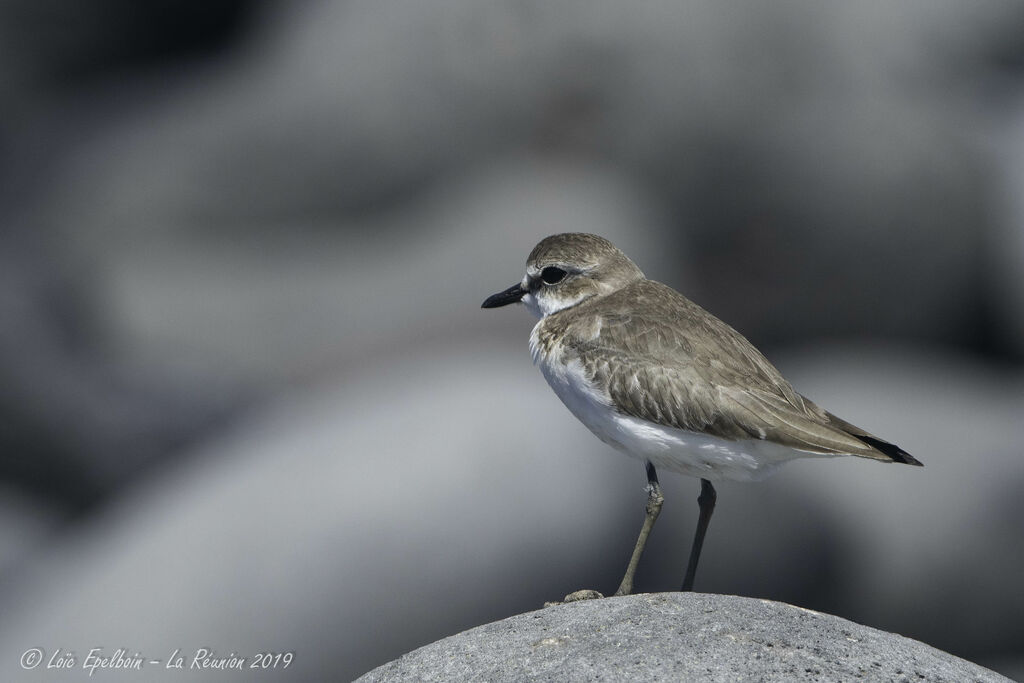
point(668, 361)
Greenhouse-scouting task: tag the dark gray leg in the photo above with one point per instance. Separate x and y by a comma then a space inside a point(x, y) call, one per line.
point(706, 501)
point(654, 501)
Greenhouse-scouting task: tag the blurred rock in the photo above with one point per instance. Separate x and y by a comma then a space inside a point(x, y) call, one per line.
point(677, 636)
point(77, 421)
point(1006, 252)
point(53, 44)
point(25, 526)
point(820, 159)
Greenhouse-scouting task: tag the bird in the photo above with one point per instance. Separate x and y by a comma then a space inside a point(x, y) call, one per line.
point(657, 377)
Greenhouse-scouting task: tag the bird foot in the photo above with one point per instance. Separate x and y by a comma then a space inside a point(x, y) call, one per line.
point(576, 596)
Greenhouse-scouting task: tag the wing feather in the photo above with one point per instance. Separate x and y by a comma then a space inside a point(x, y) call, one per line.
point(670, 362)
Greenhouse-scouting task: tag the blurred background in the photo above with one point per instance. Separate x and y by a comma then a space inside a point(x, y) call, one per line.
point(248, 400)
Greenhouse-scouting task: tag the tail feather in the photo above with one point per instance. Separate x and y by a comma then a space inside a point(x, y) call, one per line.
point(892, 451)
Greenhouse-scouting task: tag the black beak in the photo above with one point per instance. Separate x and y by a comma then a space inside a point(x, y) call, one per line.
point(510, 296)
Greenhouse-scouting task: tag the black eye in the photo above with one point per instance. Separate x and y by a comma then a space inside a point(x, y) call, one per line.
point(552, 275)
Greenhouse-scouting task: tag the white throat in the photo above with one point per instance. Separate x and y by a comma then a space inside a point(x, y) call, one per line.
point(536, 306)
point(543, 302)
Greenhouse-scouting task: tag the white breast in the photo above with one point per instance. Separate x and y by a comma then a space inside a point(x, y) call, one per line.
point(679, 450)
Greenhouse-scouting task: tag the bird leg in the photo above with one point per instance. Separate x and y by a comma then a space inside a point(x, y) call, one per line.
point(653, 509)
point(706, 501)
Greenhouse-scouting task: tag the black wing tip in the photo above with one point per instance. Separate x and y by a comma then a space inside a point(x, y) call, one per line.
point(892, 450)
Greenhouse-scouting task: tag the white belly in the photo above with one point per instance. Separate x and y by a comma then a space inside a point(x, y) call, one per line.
point(679, 450)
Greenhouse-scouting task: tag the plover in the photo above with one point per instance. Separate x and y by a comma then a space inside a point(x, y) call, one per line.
point(657, 377)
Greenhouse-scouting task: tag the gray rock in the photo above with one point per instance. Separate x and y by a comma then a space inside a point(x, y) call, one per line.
point(678, 636)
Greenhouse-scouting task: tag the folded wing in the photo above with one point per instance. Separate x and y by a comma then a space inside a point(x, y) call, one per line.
point(679, 366)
